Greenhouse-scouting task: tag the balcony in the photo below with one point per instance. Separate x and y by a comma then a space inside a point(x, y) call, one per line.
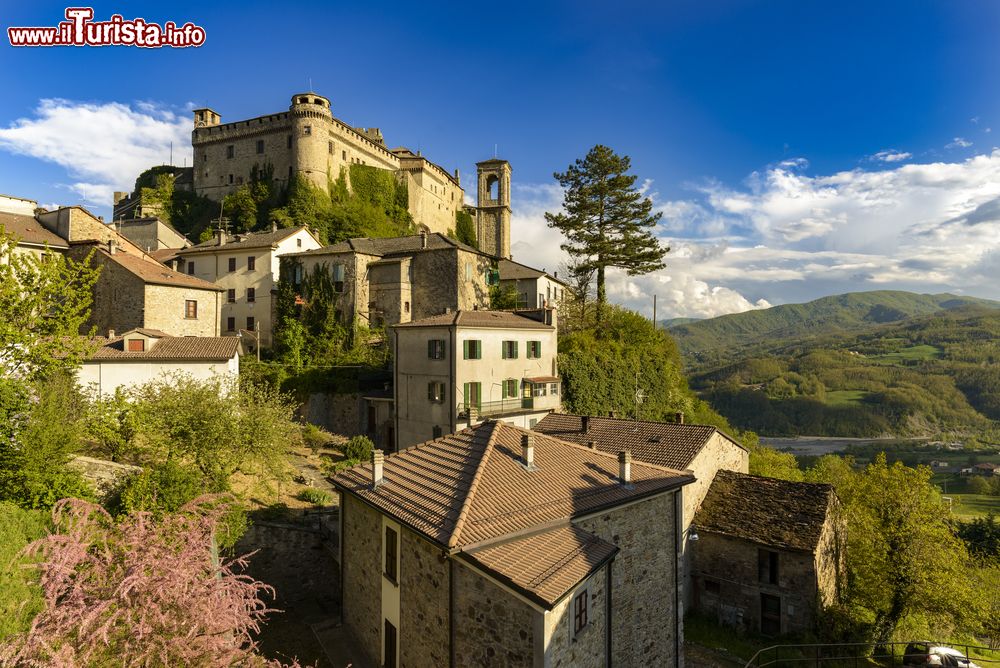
point(494, 408)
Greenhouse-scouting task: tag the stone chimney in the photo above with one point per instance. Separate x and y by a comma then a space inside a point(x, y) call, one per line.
point(423, 238)
point(679, 417)
point(586, 423)
point(112, 247)
point(111, 333)
point(528, 452)
point(378, 463)
point(274, 226)
point(625, 467)
point(222, 237)
point(592, 445)
point(473, 414)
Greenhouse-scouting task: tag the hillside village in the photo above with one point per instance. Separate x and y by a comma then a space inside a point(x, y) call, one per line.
point(484, 523)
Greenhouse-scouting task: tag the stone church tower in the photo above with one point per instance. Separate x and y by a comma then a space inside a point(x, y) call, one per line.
point(493, 207)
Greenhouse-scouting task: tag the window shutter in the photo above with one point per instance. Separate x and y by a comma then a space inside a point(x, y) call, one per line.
point(538, 348)
point(430, 348)
point(465, 349)
point(503, 350)
point(465, 394)
point(430, 391)
point(515, 350)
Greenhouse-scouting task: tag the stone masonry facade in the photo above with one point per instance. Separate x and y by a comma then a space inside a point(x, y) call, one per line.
point(586, 650)
point(361, 576)
point(423, 603)
point(492, 627)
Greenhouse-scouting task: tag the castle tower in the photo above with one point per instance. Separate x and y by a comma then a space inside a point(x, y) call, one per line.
point(311, 119)
point(493, 207)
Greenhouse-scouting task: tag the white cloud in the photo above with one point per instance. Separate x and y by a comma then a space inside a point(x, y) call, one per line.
point(102, 146)
point(891, 155)
point(959, 142)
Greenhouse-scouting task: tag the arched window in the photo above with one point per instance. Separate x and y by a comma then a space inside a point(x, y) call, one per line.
point(493, 187)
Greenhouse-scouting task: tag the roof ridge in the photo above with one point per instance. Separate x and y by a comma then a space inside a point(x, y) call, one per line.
point(473, 486)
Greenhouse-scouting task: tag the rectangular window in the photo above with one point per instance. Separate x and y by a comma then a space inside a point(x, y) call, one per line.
point(230, 151)
point(338, 277)
point(230, 179)
point(435, 392)
point(251, 263)
point(230, 324)
point(580, 609)
point(436, 432)
point(391, 552)
point(509, 350)
point(250, 323)
point(554, 389)
point(538, 390)
point(767, 566)
point(389, 646)
point(190, 309)
point(191, 266)
point(472, 349)
point(510, 389)
point(288, 141)
point(251, 295)
point(473, 394)
point(329, 146)
point(343, 155)
point(534, 350)
point(136, 345)
point(232, 264)
point(770, 615)
point(260, 145)
point(231, 295)
point(435, 349)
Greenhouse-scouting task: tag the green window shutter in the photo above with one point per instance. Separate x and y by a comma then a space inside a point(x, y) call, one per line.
point(503, 350)
point(514, 356)
point(430, 391)
point(465, 394)
point(538, 348)
point(430, 349)
point(465, 349)
point(479, 395)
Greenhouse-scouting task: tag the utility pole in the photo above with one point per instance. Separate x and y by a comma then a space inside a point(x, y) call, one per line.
point(654, 311)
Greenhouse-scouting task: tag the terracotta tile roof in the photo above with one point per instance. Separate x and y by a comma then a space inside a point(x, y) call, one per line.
point(664, 443)
point(470, 488)
point(478, 319)
point(155, 273)
point(29, 230)
point(248, 240)
point(545, 566)
point(164, 255)
point(767, 511)
point(169, 348)
point(390, 245)
point(513, 271)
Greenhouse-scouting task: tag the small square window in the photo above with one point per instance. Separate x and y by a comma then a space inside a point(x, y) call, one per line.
point(260, 146)
point(231, 295)
point(190, 309)
point(307, 130)
point(251, 295)
point(136, 345)
point(435, 349)
point(232, 264)
point(251, 263)
point(250, 323)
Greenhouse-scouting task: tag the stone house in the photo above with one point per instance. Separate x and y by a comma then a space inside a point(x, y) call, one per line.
point(770, 553)
point(534, 287)
point(151, 234)
point(383, 282)
point(452, 369)
point(498, 546)
point(139, 356)
point(702, 449)
point(17, 218)
point(246, 267)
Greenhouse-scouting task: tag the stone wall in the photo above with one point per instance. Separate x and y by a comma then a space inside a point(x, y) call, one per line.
point(831, 557)
point(644, 580)
point(423, 603)
point(362, 576)
point(562, 650)
point(104, 476)
point(491, 626)
point(164, 310)
point(337, 413)
point(731, 565)
point(119, 295)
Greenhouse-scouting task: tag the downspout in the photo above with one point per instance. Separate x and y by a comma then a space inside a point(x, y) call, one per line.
point(395, 389)
point(340, 549)
point(451, 613)
point(453, 333)
point(678, 536)
point(608, 635)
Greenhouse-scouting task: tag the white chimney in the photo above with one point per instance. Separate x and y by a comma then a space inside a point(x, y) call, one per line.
point(378, 463)
point(625, 467)
point(112, 247)
point(586, 423)
point(679, 417)
point(111, 333)
point(423, 238)
point(528, 452)
point(222, 237)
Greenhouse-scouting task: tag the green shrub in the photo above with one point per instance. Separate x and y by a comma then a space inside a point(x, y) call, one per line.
point(315, 437)
point(359, 448)
point(164, 487)
point(20, 594)
point(317, 497)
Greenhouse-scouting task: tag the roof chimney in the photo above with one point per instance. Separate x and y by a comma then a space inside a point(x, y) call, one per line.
point(586, 423)
point(625, 467)
point(112, 247)
point(222, 237)
point(528, 452)
point(592, 445)
point(378, 462)
point(274, 226)
point(111, 333)
point(679, 417)
point(423, 238)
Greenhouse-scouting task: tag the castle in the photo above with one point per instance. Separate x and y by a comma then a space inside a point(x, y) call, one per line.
point(308, 141)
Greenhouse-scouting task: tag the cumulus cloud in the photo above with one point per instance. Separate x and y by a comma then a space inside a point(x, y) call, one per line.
point(785, 236)
point(891, 155)
point(102, 146)
point(959, 142)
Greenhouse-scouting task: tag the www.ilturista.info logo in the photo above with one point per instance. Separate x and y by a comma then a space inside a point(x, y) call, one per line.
point(79, 29)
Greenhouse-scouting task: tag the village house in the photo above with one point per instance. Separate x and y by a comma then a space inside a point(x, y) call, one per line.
point(534, 287)
point(383, 282)
point(246, 268)
point(769, 553)
point(17, 218)
point(151, 234)
point(139, 356)
point(702, 449)
point(498, 546)
point(455, 368)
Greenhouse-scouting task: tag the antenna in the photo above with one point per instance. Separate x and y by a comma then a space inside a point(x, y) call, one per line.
point(310, 84)
point(494, 150)
point(171, 153)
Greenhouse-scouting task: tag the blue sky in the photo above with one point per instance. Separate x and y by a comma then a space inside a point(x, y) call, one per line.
point(796, 148)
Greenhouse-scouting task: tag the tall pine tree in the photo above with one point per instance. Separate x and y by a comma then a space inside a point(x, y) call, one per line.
point(606, 221)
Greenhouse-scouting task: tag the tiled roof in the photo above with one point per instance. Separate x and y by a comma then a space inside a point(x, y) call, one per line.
point(164, 255)
point(178, 348)
point(29, 230)
point(155, 273)
point(248, 240)
point(390, 245)
point(768, 511)
point(664, 443)
point(546, 565)
point(478, 319)
point(512, 271)
point(470, 488)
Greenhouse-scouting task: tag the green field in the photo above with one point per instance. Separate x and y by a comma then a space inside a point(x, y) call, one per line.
point(920, 353)
point(968, 506)
point(845, 397)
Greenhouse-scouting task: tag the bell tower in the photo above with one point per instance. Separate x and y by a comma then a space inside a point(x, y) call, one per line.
point(493, 207)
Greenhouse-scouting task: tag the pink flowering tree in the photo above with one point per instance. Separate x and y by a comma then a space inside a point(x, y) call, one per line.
point(142, 591)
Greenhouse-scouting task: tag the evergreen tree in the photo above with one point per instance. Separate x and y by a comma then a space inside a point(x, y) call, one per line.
point(607, 222)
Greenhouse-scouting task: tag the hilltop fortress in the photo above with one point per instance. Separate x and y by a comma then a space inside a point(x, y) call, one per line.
point(309, 141)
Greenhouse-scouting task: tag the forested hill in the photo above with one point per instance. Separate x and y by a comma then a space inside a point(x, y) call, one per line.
point(928, 375)
point(710, 343)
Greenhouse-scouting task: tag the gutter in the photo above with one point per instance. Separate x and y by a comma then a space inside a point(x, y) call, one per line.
point(609, 615)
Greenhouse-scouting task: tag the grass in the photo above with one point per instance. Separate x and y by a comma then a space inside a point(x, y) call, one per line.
point(969, 506)
point(920, 353)
point(845, 397)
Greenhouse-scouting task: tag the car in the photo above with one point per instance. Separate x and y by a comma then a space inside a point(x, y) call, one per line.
point(929, 654)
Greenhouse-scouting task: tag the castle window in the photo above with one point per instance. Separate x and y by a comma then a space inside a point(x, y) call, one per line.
point(230, 151)
point(289, 141)
point(303, 100)
point(343, 155)
point(329, 146)
point(307, 130)
point(260, 145)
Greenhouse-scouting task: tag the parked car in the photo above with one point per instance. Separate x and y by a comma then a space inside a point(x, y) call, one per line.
point(928, 654)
